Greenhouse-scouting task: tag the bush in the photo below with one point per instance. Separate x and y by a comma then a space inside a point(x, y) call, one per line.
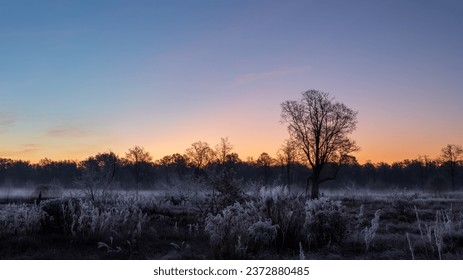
point(238, 230)
point(226, 190)
point(275, 220)
point(285, 210)
point(326, 222)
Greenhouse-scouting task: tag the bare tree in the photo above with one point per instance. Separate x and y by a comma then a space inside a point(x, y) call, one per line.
point(98, 173)
point(423, 164)
point(451, 157)
point(107, 163)
point(223, 149)
point(265, 161)
point(200, 155)
point(287, 156)
point(320, 126)
point(138, 158)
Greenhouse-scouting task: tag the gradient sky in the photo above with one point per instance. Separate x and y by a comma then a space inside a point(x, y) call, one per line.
point(82, 77)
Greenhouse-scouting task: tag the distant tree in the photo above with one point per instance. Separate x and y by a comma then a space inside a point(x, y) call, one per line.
point(223, 149)
point(232, 158)
point(320, 126)
point(52, 172)
point(138, 158)
point(287, 156)
point(451, 157)
point(98, 173)
point(200, 155)
point(175, 164)
point(265, 161)
point(176, 160)
point(5, 165)
point(423, 163)
point(107, 165)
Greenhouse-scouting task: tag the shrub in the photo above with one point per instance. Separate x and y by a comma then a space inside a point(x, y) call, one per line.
point(326, 222)
point(285, 210)
point(278, 220)
point(226, 189)
point(261, 234)
point(237, 230)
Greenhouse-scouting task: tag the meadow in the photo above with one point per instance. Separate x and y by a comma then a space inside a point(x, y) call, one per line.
point(190, 222)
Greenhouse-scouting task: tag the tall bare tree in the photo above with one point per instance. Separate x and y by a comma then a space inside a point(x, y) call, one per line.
point(451, 157)
point(320, 126)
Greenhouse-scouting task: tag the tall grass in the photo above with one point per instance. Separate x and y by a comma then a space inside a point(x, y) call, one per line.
point(369, 233)
point(275, 220)
point(21, 219)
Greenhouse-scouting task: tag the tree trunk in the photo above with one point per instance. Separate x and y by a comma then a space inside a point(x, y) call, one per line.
point(307, 187)
point(314, 194)
point(288, 174)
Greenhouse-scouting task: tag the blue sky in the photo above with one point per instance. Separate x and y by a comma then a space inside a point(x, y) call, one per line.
point(82, 77)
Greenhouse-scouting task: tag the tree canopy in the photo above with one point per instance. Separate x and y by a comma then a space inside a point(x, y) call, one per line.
point(320, 126)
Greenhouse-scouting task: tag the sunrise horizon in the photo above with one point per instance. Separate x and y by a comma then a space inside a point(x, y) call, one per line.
point(79, 79)
point(243, 153)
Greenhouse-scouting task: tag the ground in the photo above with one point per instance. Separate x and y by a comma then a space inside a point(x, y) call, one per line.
point(360, 225)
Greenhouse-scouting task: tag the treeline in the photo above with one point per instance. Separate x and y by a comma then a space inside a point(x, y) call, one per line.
point(127, 174)
point(137, 170)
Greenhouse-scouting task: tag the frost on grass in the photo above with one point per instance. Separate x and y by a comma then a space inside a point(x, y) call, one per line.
point(238, 231)
point(326, 222)
point(436, 236)
point(275, 220)
point(81, 219)
point(285, 210)
point(369, 233)
point(21, 219)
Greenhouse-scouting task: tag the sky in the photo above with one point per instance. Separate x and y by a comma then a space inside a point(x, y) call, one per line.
point(82, 77)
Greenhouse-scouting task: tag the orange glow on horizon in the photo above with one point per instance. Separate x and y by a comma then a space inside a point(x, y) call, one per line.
point(386, 156)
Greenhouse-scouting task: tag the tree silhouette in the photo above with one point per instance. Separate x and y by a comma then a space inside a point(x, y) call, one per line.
point(200, 155)
point(320, 126)
point(287, 156)
point(265, 161)
point(138, 158)
point(223, 149)
point(452, 156)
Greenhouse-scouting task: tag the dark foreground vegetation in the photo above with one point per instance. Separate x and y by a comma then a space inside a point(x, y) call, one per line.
point(270, 223)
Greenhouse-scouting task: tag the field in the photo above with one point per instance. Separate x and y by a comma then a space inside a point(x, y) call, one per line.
point(265, 223)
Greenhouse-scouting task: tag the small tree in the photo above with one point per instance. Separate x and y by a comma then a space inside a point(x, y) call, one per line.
point(320, 126)
point(176, 163)
point(222, 150)
point(451, 157)
point(98, 173)
point(287, 156)
point(265, 161)
point(200, 155)
point(423, 164)
point(139, 159)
